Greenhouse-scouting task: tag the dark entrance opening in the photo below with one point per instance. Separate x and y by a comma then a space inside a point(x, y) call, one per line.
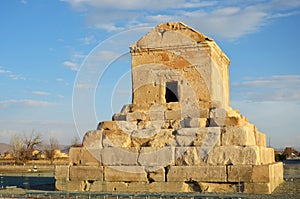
point(171, 92)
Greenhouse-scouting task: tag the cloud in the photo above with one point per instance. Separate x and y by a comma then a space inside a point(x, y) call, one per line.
point(73, 66)
point(59, 79)
point(11, 75)
point(87, 40)
point(85, 86)
point(24, 103)
point(41, 93)
point(274, 88)
point(224, 19)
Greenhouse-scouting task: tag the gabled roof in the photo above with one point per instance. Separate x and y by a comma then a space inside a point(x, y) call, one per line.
point(170, 34)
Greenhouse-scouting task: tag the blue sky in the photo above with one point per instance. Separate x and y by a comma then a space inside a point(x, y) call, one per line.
point(44, 43)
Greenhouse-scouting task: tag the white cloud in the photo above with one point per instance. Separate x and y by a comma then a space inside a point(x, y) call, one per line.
point(24, 103)
point(59, 79)
point(274, 88)
point(85, 86)
point(73, 66)
point(11, 75)
point(87, 40)
point(224, 19)
point(23, 2)
point(41, 93)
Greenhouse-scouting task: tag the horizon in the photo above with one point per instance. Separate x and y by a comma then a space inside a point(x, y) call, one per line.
point(44, 46)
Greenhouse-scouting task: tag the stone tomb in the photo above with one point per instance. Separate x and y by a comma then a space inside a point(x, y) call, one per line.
point(180, 133)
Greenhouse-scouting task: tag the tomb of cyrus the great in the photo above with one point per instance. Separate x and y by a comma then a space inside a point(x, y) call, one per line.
point(180, 133)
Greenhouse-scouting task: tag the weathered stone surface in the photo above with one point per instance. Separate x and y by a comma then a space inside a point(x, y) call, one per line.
point(236, 155)
point(125, 174)
point(156, 157)
point(75, 155)
point(197, 173)
point(90, 156)
point(193, 122)
point(66, 185)
point(174, 115)
point(86, 173)
point(239, 173)
point(190, 156)
point(267, 155)
point(61, 172)
point(208, 137)
point(238, 136)
point(93, 139)
point(155, 175)
point(268, 173)
point(116, 138)
point(115, 156)
point(261, 139)
point(262, 188)
point(218, 187)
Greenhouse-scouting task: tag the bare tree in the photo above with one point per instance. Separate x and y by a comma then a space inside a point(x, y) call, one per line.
point(50, 148)
point(17, 144)
point(23, 147)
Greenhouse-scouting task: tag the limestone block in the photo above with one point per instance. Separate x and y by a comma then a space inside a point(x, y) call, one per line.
point(111, 187)
point(267, 155)
point(158, 187)
point(239, 173)
point(126, 108)
point(66, 185)
point(86, 173)
point(125, 174)
point(184, 140)
point(193, 123)
point(173, 115)
point(268, 173)
point(126, 126)
point(90, 156)
point(208, 187)
point(157, 112)
point(139, 107)
point(257, 188)
point(208, 137)
point(155, 175)
point(115, 156)
point(119, 117)
point(197, 173)
point(238, 136)
point(187, 132)
point(189, 156)
point(163, 138)
point(75, 156)
point(195, 113)
point(173, 106)
point(108, 125)
point(236, 155)
point(61, 172)
point(156, 157)
point(93, 139)
point(260, 138)
point(217, 113)
point(116, 138)
point(135, 116)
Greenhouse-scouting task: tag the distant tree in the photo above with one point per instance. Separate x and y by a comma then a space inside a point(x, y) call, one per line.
point(18, 148)
point(289, 152)
point(50, 148)
point(22, 147)
point(76, 142)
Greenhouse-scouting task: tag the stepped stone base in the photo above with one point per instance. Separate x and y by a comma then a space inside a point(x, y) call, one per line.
point(180, 133)
point(121, 156)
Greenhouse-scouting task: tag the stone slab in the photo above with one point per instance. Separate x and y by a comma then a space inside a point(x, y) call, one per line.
point(236, 155)
point(238, 136)
point(239, 173)
point(86, 173)
point(125, 174)
point(61, 172)
point(93, 139)
point(156, 157)
point(115, 156)
point(197, 173)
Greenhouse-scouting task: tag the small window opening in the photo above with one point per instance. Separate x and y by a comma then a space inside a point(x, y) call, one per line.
point(171, 92)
